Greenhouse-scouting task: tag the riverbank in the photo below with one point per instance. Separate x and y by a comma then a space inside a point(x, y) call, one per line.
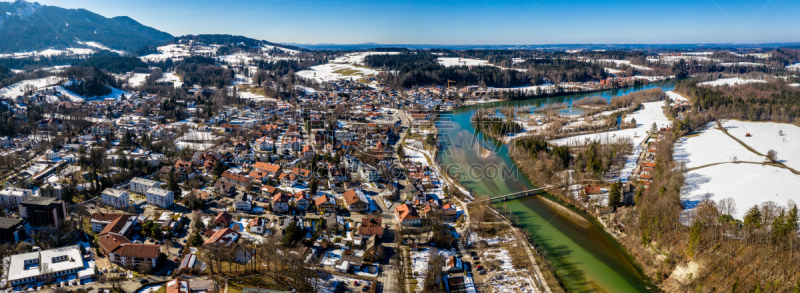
point(557, 94)
point(586, 258)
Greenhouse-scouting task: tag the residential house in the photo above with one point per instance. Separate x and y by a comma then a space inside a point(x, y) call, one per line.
point(243, 206)
point(160, 197)
point(453, 265)
point(407, 215)
point(368, 173)
point(288, 179)
point(271, 169)
point(280, 203)
point(300, 200)
point(223, 219)
point(13, 196)
point(140, 185)
point(257, 226)
point(115, 198)
point(240, 181)
point(355, 200)
point(371, 226)
point(302, 174)
point(224, 236)
point(324, 204)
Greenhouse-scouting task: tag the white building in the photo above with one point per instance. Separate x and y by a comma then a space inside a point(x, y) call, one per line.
point(140, 185)
point(243, 205)
point(160, 197)
point(368, 172)
point(13, 196)
point(115, 198)
point(47, 265)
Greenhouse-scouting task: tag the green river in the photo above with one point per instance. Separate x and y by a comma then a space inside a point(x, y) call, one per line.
point(585, 258)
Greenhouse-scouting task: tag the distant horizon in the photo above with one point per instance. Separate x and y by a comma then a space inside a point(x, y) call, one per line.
point(467, 23)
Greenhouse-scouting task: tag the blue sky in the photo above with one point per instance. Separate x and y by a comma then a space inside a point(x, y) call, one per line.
point(468, 21)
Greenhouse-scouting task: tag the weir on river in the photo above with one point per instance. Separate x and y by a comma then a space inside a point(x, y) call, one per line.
point(584, 257)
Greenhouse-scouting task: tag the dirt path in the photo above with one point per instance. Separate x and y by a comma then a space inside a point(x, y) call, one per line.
point(776, 164)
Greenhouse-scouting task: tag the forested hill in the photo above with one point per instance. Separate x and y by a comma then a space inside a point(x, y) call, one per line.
point(223, 39)
point(26, 26)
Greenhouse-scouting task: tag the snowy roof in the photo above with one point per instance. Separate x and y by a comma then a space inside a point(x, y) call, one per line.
point(35, 263)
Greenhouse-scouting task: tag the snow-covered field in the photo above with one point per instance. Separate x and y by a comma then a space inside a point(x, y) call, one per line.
point(747, 184)
point(766, 136)
point(333, 72)
point(676, 97)
point(178, 51)
point(730, 81)
point(170, 76)
point(254, 97)
point(18, 89)
point(358, 57)
point(750, 64)
point(795, 67)
point(419, 262)
point(620, 63)
point(505, 278)
point(645, 117)
point(456, 61)
point(100, 46)
point(137, 79)
point(711, 146)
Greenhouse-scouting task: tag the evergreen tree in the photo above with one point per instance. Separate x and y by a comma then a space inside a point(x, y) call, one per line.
point(172, 184)
point(753, 217)
point(615, 195)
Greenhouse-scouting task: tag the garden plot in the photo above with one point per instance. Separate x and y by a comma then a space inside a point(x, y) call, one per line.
point(712, 146)
point(765, 136)
point(747, 184)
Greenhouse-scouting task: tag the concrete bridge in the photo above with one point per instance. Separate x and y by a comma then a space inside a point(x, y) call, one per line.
point(515, 195)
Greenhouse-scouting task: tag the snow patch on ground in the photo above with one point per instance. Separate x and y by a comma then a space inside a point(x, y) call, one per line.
point(711, 146)
point(138, 79)
point(747, 184)
point(730, 82)
point(650, 113)
point(419, 263)
point(766, 136)
point(456, 61)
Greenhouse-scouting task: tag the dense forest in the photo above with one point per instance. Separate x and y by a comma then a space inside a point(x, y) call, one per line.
point(115, 64)
point(418, 69)
point(494, 126)
point(89, 82)
point(562, 70)
point(771, 101)
point(201, 71)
